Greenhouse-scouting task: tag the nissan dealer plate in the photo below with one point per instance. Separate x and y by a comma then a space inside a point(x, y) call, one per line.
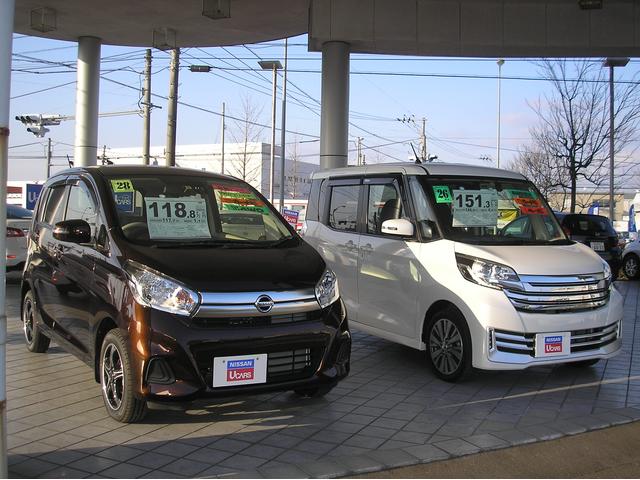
point(239, 370)
point(553, 344)
point(597, 246)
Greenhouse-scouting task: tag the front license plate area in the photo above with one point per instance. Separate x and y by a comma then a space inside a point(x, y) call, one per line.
point(553, 344)
point(597, 246)
point(240, 370)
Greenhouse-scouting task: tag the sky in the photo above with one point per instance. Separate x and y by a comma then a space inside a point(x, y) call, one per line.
point(457, 96)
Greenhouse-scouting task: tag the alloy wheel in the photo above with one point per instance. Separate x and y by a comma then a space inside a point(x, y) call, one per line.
point(27, 322)
point(112, 377)
point(631, 267)
point(445, 346)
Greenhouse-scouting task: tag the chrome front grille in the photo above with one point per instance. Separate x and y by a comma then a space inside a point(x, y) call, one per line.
point(581, 340)
point(552, 294)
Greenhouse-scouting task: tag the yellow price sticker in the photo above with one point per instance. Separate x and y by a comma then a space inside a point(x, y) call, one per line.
point(122, 185)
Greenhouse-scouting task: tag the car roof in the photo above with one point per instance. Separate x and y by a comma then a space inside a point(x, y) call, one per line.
point(433, 168)
point(125, 170)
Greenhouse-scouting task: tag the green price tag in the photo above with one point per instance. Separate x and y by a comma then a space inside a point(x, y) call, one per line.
point(442, 193)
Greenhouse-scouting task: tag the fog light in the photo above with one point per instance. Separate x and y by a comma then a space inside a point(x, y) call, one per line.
point(159, 371)
point(492, 340)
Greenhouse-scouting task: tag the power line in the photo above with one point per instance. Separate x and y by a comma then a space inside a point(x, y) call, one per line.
point(43, 90)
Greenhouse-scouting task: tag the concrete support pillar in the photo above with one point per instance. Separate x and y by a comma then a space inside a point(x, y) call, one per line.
point(87, 100)
point(7, 10)
point(334, 122)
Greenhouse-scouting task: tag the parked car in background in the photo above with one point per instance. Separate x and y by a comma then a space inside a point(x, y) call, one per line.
point(596, 232)
point(631, 259)
point(174, 284)
point(466, 263)
point(18, 224)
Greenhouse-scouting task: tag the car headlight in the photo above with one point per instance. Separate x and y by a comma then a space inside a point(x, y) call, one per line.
point(607, 273)
point(327, 289)
point(486, 273)
point(155, 290)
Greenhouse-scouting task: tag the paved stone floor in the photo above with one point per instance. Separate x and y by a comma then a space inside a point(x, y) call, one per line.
point(391, 411)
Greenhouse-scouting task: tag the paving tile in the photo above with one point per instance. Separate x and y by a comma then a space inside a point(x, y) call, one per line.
point(286, 471)
point(119, 453)
point(360, 464)
point(33, 468)
point(186, 467)
point(326, 468)
point(427, 453)
point(66, 472)
point(125, 470)
point(457, 447)
point(93, 464)
point(486, 441)
point(393, 458)
point(152, 460)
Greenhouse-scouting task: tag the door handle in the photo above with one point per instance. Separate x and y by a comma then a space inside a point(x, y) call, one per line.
point(350, 246)
point(58, 251)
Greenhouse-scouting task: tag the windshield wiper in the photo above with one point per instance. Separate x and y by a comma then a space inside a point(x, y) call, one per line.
point(278, 243)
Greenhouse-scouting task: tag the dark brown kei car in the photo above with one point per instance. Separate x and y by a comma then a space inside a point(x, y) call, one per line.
point(174, 284)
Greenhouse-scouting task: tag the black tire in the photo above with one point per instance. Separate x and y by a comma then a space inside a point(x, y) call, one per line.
point(448, 345)
point(36, 341)
point(631, 266)
point(585, 363)
point(315, 392)
point(116, 380)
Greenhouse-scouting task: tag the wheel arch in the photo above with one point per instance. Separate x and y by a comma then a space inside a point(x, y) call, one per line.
point(106, 325)
point(436, 307)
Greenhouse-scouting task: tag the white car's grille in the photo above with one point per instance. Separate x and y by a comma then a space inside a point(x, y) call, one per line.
point(552, 294)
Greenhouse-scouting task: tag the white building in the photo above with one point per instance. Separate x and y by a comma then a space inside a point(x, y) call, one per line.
point(250, 163)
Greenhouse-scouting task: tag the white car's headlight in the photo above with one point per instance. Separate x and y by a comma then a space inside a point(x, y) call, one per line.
point(155, 290)
point(607, 273)
point(327, 289)
point(486, 273)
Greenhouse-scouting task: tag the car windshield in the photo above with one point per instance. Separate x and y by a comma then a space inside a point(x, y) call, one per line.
point(492, 211)
point(15, 212)
point(181, 210)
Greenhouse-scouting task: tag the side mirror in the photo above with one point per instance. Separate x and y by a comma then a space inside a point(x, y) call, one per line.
point(74, 231)
point(398, 226)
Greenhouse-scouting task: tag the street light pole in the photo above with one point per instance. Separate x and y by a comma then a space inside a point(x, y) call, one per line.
point(274, 66)
point(612, 63)
point(283, 125)
point(500, 62)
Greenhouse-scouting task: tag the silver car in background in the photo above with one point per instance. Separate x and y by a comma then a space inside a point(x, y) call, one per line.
point(18, 224)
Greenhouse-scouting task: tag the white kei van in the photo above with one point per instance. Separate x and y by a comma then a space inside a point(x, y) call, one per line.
point(468, 263)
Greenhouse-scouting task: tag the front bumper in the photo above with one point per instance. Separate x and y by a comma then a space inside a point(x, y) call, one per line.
point(504, 338)
point(173, 357)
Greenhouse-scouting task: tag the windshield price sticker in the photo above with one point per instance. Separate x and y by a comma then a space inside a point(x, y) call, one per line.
point(529, 206)
point(513, 194)
point(475, 208)
point(177, 217)
point(442, 193)
point(239, 199)
point(122, 185)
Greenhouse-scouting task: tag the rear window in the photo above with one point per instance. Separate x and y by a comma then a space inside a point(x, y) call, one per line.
point(588, 224)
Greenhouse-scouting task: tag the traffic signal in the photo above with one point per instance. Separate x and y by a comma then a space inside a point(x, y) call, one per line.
point(29, 119)
point(38, 130)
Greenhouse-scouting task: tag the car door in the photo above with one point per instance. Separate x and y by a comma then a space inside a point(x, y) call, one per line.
point(44, 261)
point(338, 239)
point(387, 267)
point(75, 269)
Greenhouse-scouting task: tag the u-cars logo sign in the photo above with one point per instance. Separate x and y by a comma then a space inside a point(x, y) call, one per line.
point(553, 344)
point(239, 370)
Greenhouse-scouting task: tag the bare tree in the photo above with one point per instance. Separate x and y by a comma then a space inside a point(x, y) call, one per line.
point(247, 133)
point(546, 172)
point(573, 127)
point(292, 173)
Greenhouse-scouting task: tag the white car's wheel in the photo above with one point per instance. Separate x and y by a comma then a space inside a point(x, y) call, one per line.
point(631, 266)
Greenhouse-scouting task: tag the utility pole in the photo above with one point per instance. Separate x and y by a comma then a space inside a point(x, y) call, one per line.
point(283, 130)
point(359, 150)
point(48, 157)
point(146, 105)
point(423, 140)
point(500, 62)
point(172, 109)
point(222, 141)
point(273, 135)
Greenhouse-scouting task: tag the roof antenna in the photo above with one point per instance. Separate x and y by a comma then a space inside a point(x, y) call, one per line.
point(418, 161)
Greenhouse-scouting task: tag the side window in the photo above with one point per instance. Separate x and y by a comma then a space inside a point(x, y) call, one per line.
point(54, 209)
point(81, 206)
point(384, 204)
point(343, 207)
point(314, 197)
point(424, 214)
